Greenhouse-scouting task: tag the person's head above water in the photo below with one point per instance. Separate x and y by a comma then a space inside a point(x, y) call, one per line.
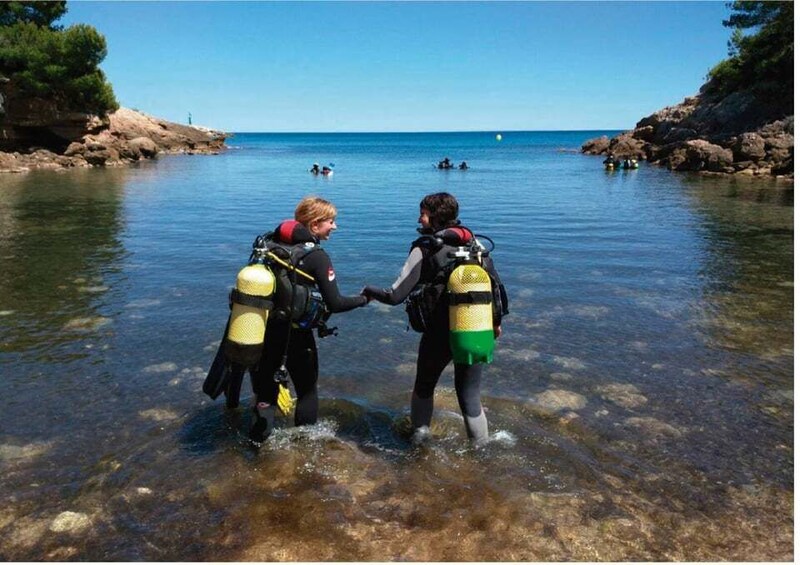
point(318, 215)
point(438, 210)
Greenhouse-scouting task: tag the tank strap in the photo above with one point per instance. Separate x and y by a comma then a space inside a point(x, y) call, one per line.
point(472, 297)
point(252, 300)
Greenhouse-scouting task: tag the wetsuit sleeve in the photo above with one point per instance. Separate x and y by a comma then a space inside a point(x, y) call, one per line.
point(405, 283)
point(319, 266)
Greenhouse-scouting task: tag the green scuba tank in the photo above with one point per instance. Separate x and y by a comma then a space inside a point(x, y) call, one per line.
point(470, 311)
point(250, 306)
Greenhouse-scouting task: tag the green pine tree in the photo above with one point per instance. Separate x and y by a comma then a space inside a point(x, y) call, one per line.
point(760, 62)
point(42, 59)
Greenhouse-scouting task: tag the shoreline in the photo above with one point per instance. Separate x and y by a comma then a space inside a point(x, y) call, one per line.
point(728, 137)
point(125, 137)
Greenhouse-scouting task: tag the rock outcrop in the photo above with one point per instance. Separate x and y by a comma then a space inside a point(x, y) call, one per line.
point(736, 134)
point(34, 134)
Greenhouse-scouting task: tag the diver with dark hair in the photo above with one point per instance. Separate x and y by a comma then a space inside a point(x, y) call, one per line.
point(431, 255)
point(292, 342)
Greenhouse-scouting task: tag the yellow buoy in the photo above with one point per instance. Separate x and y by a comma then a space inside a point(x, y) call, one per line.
point(498, 137)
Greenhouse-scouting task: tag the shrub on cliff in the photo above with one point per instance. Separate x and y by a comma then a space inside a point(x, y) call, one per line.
point(761, 62)
point(44, 60)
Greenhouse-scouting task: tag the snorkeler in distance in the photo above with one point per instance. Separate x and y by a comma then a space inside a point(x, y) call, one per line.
point(325, 171)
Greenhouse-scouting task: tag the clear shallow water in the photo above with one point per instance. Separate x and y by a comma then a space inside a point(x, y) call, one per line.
point(640, 403)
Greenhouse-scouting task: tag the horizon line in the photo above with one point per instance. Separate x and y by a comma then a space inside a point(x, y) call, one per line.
point(497, 131)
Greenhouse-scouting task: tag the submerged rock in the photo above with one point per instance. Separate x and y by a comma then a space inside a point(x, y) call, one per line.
point(569, 362)
point(70, 522)
point(159, 415)
point(654, 427)
point(561, 377)
point(161, 368)
point(10, 452)
point(624, 395)
point(406, 369)
point(62, 553)
point(91, 323)
point(519, 354)
point(558, 400)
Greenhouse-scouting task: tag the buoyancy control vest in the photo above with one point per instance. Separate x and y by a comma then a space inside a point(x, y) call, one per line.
point(459, 291)
point(297, 298)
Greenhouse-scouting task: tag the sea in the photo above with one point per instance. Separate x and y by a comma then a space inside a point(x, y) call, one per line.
point(640, 402)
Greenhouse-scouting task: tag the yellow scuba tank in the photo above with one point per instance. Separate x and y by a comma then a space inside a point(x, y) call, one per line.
point(470, 312)
point(250, 308)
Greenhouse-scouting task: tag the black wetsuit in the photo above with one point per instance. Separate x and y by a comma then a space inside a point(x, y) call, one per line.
point(424, 261)
point(302, 361)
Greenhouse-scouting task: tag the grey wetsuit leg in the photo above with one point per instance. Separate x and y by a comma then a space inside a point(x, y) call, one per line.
point(468, 391)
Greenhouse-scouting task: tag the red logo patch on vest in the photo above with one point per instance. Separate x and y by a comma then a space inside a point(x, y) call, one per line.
point(331, 274)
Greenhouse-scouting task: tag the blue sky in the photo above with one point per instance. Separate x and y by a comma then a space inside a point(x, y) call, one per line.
point(421, 66)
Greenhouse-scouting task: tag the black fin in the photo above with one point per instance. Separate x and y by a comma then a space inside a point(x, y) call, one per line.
point(219, 373)
point(234, 385)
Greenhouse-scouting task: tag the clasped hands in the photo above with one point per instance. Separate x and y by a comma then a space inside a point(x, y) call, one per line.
point(370, 292)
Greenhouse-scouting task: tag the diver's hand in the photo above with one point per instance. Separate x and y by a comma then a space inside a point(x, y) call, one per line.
point(365, 295)
point(371, 292)
point(498, 331)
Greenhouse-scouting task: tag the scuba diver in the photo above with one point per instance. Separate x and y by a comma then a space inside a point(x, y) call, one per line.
point(289, 344)
point(463, 166)
point(327, 171)
point(314, 169)
point(425, 280)
point(445, 164)
point(630, 163)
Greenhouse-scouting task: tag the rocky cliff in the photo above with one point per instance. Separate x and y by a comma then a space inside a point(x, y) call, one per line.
point(733, 135)
point(35, 135)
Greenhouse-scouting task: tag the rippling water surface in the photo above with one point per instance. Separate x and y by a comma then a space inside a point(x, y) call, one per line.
point(640, 403)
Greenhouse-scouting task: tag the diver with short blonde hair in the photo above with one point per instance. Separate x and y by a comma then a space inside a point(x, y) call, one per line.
point(292, 340)
point(314, 209)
